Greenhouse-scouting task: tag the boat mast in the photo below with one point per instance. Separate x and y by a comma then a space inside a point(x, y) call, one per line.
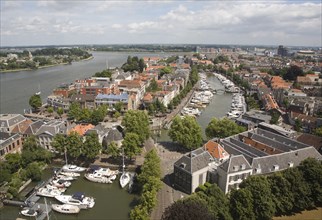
point(66, 156)
point(123, 160)
point(46, 209)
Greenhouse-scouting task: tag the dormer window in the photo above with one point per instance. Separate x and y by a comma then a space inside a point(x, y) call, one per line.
point(290, 164)
point(183, 165)
point(275, 167)
point(235, 168)
point(243, 166)
point(258, 170)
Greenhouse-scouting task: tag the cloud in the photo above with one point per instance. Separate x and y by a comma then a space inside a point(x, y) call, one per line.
point(117, 26)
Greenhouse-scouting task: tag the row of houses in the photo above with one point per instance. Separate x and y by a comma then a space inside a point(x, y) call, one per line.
point(15, 128)
point(229, 161)
point(128, 88)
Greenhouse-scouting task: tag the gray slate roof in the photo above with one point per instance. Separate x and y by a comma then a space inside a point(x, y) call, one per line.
point(194, 161)
point(283, 160)
point(34, 127)
point(8, 120)
point(235, 163)
point(114, 135)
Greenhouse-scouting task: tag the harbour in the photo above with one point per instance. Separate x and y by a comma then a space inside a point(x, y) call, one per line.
point(111, 198)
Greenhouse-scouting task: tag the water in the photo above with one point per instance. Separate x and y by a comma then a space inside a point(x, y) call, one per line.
point(112, 202)
point(17, 87)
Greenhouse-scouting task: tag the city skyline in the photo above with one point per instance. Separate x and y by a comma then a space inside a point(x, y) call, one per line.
point(290, 23)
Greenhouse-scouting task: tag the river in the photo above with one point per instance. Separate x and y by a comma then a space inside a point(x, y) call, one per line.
point(112, 202)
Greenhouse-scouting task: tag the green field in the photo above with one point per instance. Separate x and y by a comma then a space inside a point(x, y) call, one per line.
point(315, 214)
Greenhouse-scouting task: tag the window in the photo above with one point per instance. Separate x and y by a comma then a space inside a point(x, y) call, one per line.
point(18, 142)
point(275, 167)
point(290, 164)
point(258, 170)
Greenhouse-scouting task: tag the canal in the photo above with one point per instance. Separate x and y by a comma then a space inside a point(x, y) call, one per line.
point(112, 202)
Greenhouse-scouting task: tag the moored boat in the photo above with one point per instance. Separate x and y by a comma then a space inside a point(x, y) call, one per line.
point(98, 178)
point(29, 212)
point(48, 192)
point(71, 174)
point(125, 179)
point(73, 168)
point(77, 199)
point(66, 208)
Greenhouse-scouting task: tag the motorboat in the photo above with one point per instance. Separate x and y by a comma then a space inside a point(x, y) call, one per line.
point(65, 178)
point(103, 171)
point(48, 192)
point(98, 178)
point(125, 179)
point(65, 208)
point(71, 174)
point(29, 212)
point(73, 168)
point(50, 186)
point(61, 183)
point(77, 199)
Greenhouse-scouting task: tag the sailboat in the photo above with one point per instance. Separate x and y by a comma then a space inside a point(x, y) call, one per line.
point(125, 177)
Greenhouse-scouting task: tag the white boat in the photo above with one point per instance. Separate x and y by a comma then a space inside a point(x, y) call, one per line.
point(29, 212)
point(73, 168)
point(125, 179)
point(65, 178)
point(50, 186)
point(61, 183)
point(98, 178)
point(77, 199)
point(48, 192)
point(65, 208)
point(71, 174)
point(103, 171)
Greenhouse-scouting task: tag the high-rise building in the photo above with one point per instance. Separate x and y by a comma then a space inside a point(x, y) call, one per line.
point(282, 51)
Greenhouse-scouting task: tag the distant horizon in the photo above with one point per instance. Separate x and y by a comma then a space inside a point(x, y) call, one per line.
point(158, 44)
point(80, 22)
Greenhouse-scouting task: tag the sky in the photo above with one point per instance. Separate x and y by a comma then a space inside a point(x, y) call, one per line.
point(245, 22)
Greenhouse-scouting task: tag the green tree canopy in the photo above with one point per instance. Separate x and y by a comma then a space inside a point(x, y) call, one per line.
point(59, 142)
point(113, 150)
point(216, 201)
point(131, 145)
point(222, 128)
point(74, 145)
point(282, 195)
point(13, 162)
point(75, 111)
point(241, 205)
point(186, 131)
point(263, 205)
point(191, 208)
point(91, 147)
point(165, 70)
point(35, 101)
point(136, 121)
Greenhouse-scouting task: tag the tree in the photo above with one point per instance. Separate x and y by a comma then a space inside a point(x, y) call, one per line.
point(35, 101)
point(191, 208)
point(50, 109)
point(113, 150)
point(131, 145)
point(217, 202)
point(30, 144)
point(60, 111)
point(222, 128)
point(59, 143)
point(85, 115)
point(150, 168)
point(165, 70)
point(318, 131)
point(136, 121)
point(300, 188)
point(312, 173)
point(116, 115)
point(298, 125)
point(91, 147)
point(275, 117)
point(98, 114)
point(33, 171)
point(282, 195)
point(263, 205)
point(186, 132)
point(241, 204)
point(140, 212)
point(13, 162)
point(142, 65)
point(119, 106)
point(74, 144)
point(74, 111)
point(293, 72)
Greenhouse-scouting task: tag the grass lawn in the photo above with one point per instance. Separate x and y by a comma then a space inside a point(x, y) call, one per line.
point(315, 214)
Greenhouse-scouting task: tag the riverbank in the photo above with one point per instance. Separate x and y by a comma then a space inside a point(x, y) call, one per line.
point(315, 214)
point(43, 67)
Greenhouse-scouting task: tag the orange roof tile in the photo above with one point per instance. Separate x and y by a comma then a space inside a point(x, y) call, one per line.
point(216, 150)
point(81, 129)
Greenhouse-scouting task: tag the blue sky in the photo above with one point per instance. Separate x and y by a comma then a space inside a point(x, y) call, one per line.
point(257, 22)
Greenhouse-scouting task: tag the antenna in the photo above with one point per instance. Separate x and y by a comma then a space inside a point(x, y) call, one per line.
point(106, 64)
